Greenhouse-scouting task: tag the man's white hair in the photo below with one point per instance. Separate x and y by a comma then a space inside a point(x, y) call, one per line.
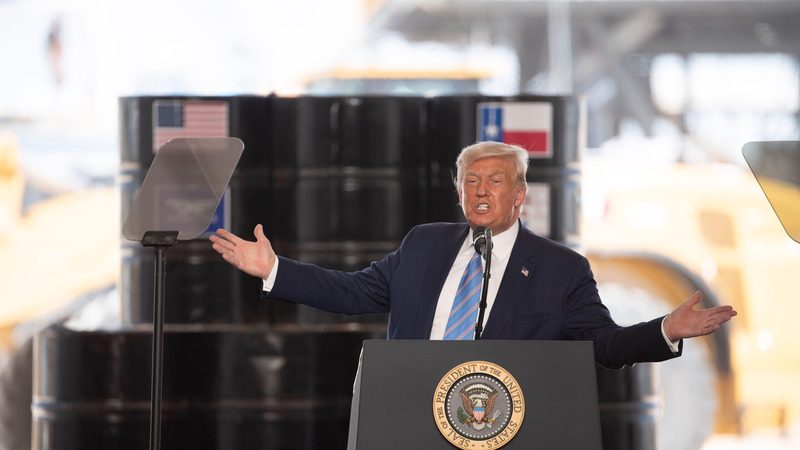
point(488, 149)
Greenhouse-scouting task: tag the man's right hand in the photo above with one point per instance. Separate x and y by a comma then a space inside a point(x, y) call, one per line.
point(254, 258)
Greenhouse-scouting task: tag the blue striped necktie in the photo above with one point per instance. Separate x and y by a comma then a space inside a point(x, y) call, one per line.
point(464, 314)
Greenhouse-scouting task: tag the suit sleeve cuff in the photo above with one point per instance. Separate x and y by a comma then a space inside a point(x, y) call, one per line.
point(269, 282)
point(673, 345)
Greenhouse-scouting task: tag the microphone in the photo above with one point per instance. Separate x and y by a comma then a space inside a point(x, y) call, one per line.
point(482, 239)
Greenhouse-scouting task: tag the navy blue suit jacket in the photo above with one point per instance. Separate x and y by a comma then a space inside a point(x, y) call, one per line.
point(558, 298)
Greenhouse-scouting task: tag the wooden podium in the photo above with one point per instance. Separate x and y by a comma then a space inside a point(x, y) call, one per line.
point(475, 395)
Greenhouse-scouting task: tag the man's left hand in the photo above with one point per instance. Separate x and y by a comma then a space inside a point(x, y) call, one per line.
point(686, 321)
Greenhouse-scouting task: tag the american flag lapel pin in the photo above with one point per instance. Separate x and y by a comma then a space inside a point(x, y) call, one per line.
point(525, 272)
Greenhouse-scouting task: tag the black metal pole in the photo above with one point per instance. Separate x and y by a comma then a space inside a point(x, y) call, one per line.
point(487, 256)
point(160, 241)
point(158, 349)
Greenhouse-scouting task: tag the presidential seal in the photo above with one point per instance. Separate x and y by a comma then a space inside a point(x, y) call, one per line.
point(478, 405)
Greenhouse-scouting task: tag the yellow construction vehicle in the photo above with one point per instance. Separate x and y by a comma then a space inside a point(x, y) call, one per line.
point(713, 221)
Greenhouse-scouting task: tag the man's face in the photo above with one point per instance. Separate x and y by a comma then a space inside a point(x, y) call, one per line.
point(489, 194)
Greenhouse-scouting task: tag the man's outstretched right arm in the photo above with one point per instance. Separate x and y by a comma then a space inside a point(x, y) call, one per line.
point(361, 292)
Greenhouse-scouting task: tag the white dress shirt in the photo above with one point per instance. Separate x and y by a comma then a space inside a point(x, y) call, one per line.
point(502, 244)
point(269, 282)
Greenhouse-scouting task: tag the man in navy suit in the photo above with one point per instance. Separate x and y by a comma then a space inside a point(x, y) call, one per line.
point(543, 289)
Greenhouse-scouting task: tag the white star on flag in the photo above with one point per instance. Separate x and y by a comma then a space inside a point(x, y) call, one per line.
point(491, 131)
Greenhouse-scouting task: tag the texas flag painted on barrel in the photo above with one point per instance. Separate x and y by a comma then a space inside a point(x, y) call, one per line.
point(527, 124)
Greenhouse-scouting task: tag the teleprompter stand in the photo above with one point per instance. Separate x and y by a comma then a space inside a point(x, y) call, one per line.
point(176, 202)
point(160, 241)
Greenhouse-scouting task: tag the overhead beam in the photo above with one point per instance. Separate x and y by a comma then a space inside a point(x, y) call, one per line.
point(630, 34)
point(609, 50)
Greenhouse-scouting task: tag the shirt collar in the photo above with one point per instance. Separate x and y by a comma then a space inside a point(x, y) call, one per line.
point(502, 243)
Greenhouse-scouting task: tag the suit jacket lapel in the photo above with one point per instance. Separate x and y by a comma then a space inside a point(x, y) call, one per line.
point(513, 284)
point(442, 260)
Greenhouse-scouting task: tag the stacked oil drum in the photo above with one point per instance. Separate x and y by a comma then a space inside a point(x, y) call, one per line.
point(349, 180)
point(336, 181)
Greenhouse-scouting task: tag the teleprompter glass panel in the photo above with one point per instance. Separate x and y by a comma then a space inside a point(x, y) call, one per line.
point(776, 166)
point(183, 187)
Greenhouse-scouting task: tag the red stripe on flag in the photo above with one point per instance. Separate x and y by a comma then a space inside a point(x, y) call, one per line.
point(532, 141)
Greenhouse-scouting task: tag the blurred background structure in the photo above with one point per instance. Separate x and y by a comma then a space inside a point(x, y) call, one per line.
point(671, 89)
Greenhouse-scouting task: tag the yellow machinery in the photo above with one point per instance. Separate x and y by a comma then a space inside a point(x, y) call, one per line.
point(714, 221)
point(60, 249)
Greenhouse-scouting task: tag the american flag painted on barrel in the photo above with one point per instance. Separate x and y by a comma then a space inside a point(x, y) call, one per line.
point(188, 118)
point(527, 124)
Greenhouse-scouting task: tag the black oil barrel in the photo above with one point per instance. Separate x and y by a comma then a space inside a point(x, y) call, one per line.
point(547, 126)
point(225, 387)
point(628, 407)
point(350, 180)
point(354, 170)
point(202, 287)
